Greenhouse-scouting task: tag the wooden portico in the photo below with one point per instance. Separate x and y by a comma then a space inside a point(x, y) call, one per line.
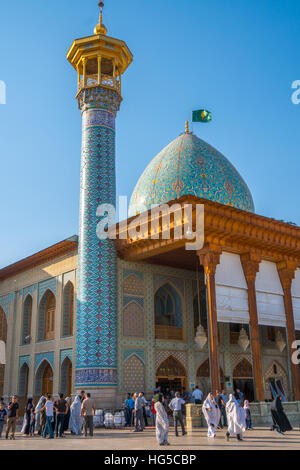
point(226, 229)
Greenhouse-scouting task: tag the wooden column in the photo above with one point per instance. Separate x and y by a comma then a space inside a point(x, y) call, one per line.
point(209, 258)
point(286, 271)
point(250, 263)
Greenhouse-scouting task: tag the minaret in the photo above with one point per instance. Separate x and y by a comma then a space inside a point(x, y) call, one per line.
point(100, 62)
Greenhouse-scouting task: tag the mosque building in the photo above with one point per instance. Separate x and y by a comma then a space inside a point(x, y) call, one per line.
point(130, 314)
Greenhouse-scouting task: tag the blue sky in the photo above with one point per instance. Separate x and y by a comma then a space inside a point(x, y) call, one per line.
point(237, 58)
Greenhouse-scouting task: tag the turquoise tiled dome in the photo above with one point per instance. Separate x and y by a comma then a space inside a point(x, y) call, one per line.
point(188, 165)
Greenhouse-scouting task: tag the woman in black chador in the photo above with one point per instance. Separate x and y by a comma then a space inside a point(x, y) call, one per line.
point(280, 421)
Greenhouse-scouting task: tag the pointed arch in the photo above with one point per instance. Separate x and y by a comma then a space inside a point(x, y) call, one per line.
point(168, 304)
point(3, 337)
point(68, 310)
point(243, 370)
point(204, 370)
point(23, 380)
point(133, 374)
point(27, 317)
point(171, 367)
point(46, 317)
point(66, 377)
point(44, 378)
point(133, 320)
point(132, 284)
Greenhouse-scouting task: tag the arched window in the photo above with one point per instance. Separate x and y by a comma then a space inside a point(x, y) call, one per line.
point(3, 337)
point(66, 377)
point(168, 313)
point(47, 317)
point(68, 310)
point(27, 315)
point(23, 380)
point(133, 374)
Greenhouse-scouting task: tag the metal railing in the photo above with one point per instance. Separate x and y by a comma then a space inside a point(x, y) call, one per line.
point(106, 80)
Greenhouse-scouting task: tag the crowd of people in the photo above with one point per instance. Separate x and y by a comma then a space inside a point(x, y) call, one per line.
point(50, 418)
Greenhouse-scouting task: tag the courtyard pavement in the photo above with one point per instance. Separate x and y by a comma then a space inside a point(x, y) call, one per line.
point(113, 439)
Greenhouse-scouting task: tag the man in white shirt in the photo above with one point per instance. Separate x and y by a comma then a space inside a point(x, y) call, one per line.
point(48, 407)
point(175, 406)
point(197, 395)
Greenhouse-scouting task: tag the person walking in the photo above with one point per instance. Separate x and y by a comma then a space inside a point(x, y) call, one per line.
point(153, 412)
point(197, 395)
point(88, 412)
point(145, 405)
point(280, 421)
point(138, 409)
point(236, 417)
point(162, 422)
point(3, 417)
point(12, 417)
point(129, 405)
point(75, 418)
point(248, 415)
point(176, 406)
point(61, 409)
point(49, 411)
point(28, 409)
point(67, 416)
point(212, 414)
point(222, 408)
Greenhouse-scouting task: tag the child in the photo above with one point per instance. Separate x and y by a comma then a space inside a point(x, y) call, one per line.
point(153, 412)
point(248, 415)
point(3, 416)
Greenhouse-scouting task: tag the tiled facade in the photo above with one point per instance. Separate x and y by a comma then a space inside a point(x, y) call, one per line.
point(139, 353)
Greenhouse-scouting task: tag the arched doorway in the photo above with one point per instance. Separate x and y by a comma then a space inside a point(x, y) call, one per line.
point(66, 377)
point(47, 380)
point(243, 379)
point(203, 377)
point(44, 379)
point(3, 337)
point(171, 375)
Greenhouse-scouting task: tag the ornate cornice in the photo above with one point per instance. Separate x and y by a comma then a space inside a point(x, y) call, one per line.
point(232, 229)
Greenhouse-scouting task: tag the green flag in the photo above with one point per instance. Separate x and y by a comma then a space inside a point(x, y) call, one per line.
point(202, 115)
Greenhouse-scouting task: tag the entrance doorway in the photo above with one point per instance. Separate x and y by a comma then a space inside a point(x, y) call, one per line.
point(243, 379)
point(171, 376)
point(47, 381)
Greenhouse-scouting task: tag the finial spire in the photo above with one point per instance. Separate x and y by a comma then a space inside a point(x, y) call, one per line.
point(100, 28)
point(187, 131)
point(101, 6)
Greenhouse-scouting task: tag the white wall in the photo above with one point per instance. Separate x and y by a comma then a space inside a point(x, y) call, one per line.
point(269, 295)
point(231, 290)
point(296, 298)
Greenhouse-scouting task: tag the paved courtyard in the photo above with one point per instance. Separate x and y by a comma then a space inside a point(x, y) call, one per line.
point(107, 439)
